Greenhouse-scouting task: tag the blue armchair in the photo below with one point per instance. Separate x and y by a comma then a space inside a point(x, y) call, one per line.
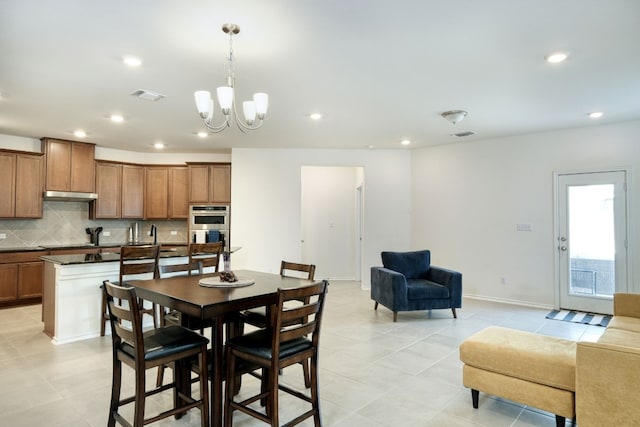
point(408, 282)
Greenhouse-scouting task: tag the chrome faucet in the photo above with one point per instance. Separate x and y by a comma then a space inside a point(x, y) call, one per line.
point(154, 233)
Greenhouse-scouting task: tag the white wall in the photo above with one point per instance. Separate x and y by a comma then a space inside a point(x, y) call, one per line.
point(329, 220)
point(468, 198)
point(266, 209)
point(10, 142)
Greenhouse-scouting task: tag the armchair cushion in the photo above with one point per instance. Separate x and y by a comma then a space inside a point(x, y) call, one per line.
point(413, 265)
point(424, 289)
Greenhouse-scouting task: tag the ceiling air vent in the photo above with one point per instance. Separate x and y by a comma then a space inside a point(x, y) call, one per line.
point(463, 134)
point(148, 95)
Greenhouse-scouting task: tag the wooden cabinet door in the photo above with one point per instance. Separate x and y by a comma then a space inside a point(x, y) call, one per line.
point(8, 282)
point(198, 183)
point(156, 203)
point(58, 165)
point(30, 275)
point(108, 187)
point(7, 185)
point(82, 170)
point(132, 191)
point(178, 193)
point(29, 185)
point(220, 183)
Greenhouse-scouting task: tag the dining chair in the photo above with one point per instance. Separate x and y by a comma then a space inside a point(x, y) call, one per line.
point(145, 350)
point(294, 337)
point(136, 260)
point(174, 317)
point(208, 253)
point(258, 316)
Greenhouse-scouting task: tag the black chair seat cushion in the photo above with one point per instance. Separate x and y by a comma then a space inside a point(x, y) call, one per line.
point(167, 341)
point(258, 343)
point(425, 289)
point(255, 316)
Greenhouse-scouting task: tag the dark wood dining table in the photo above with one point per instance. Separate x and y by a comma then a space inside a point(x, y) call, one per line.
point(218, 304)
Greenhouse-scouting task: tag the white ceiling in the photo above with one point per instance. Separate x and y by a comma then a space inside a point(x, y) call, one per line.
point(379, 71)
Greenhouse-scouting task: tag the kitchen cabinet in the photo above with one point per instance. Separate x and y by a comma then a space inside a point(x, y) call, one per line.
point(22, 177)
point(69, 165)
point(21, 277)
point(156, 200)
point(209, 183)
point(133, 191)
point(178, 193)
point(108, 186)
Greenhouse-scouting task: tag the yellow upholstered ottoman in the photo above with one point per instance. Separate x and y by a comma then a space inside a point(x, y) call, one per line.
point(531, 369)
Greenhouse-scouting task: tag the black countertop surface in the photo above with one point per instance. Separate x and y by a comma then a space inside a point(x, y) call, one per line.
point(53, 247)
point(106, 257)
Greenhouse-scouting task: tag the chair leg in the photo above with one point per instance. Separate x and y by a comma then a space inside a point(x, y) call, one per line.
point(315, 399)
point(230, 386)
point(204, 388)
point(116, 383)
point(272, 400)
point(305, 372)
point(103, 316)
point(160, 377)
point(455, 315)
point(138, 412)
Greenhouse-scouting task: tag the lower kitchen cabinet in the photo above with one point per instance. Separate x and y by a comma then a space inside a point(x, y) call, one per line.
point(21, 276)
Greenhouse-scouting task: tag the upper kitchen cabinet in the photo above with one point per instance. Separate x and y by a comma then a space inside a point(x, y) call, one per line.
point(209, 183)
point(156, 201)
point(178, 193)
point(132, 191)
point(22, 176)
point(166, 195)
point(69, 165)
point(108, 186)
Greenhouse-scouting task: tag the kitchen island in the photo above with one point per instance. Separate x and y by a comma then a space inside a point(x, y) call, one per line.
point(71, 300)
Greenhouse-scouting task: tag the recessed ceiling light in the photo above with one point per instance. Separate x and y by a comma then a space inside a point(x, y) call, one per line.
point(132, 61)
point(405, 142)
point(596, 114)
point(80, 133)
point(554, 58)
point(116, 118)
point(315, 116)
point(159, 145)
point(202, 134)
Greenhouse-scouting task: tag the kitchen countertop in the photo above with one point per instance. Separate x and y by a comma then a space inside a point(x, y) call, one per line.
point(106, 257)
point(46, 247)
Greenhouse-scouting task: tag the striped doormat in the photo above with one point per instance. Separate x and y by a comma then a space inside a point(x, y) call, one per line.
point(580, 317)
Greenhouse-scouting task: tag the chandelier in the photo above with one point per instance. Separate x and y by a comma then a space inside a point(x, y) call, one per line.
point(226, 98)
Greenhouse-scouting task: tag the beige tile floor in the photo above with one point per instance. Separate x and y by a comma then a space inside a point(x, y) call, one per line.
point(373, 372)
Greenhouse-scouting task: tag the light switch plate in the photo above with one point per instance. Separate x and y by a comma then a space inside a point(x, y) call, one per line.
point(523, 227)
point(3, 235)
point(174, 233)
point(106, 233)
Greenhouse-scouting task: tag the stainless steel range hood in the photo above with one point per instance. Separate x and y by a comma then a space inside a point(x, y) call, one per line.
point(69, 196)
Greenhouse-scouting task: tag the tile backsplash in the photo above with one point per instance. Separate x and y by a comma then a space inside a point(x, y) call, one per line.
point(65, 223)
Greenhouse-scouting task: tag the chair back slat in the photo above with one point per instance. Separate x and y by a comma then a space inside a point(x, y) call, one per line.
point(299, 321)
point(189, 268)
point(124, 315)
point(208, 253)
point(287, 267)
point(139, 259)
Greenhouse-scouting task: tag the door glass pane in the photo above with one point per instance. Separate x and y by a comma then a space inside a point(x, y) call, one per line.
point(592, 240)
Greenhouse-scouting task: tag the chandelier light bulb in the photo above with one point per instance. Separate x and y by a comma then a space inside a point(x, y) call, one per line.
point(256, 109)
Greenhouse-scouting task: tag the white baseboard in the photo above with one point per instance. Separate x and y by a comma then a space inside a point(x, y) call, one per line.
point(509, 301)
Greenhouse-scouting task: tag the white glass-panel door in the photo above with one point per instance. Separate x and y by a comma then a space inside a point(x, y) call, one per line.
point(592, 239)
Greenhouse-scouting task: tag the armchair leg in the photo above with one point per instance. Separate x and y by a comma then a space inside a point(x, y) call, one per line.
point(395, 316)
point(375, 306)
point(455, 316)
